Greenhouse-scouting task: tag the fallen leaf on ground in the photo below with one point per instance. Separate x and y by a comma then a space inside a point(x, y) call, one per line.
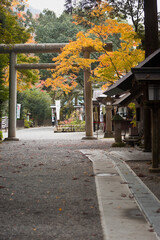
point(123, 195)
point(87, 199)
point(74, 178)
point(158, 210)
point(85, 213)
point(141, 175)
point(123, 183)
point(138, 214)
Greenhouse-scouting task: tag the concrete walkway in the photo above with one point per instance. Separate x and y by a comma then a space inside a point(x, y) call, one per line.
point(128, 208)
point(48, 190)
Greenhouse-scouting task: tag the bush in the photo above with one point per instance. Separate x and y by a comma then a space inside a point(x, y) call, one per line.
point(118, 144)
point(26, 124)
point(1, 136)
point(38, 104)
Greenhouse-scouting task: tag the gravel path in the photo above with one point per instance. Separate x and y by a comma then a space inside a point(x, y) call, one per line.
point(47, 187)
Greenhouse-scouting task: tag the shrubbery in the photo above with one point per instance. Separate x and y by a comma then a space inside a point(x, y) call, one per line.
point(1, 136)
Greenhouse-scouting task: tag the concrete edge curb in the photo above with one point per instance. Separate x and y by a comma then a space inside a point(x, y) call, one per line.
point(152, 219)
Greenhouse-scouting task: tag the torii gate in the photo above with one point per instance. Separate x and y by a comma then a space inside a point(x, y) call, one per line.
point(13, 50)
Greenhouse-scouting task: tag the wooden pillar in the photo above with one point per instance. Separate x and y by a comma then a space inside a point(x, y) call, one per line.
point(88, 101)
point(147, 130)
point(155, 138)
point(151, 26)
point(12, 98)
point(151, 45)
point(147, 122)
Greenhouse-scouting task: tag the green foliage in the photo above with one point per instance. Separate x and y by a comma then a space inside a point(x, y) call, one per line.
point(118, 144)
point(132, 106)
point(10, 29)
point(26, 124)
point(52, 29)
point(3, 89)
point(26, 77)
point(38, 104)
point(1, 136)
point(10, 32)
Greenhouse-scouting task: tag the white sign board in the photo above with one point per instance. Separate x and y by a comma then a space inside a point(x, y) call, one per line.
point(58, 106)
point(18, 111)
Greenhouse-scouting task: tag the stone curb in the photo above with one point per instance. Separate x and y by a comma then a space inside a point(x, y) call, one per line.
point(146, 200)
point(121, 218)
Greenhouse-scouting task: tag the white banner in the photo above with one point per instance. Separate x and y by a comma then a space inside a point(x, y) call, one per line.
point(58, 107)
point(18, 111)
point(58, 104)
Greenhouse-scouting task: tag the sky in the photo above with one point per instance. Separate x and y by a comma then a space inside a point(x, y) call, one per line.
point(56, 5)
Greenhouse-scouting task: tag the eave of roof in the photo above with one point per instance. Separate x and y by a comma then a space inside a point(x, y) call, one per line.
point(120, 100)
point(125, 83)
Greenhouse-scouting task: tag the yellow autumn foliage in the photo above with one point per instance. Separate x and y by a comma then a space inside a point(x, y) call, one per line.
point(108, 66)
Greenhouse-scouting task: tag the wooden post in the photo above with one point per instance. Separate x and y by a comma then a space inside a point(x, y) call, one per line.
point(151, 26)
point(155, 138)
point(151, 45)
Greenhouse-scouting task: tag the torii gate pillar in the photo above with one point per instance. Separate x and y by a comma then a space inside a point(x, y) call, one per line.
point(12, 97)
point(88, 101)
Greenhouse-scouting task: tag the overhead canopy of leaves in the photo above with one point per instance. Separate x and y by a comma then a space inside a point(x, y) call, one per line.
point(11, 32)
point(110, 66)
point(80, 7)
point(129, 9)
point(52, 29)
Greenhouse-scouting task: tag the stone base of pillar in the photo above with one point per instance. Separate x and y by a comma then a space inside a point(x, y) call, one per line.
point(89, 138)
point(11, 139)
point(108, 134)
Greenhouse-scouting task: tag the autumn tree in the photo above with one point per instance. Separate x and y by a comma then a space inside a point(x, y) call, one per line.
point(79, 7)
point(68, 6)
point(11, 32)
point(129, 9)
point(108, 66)
point(52, 29)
